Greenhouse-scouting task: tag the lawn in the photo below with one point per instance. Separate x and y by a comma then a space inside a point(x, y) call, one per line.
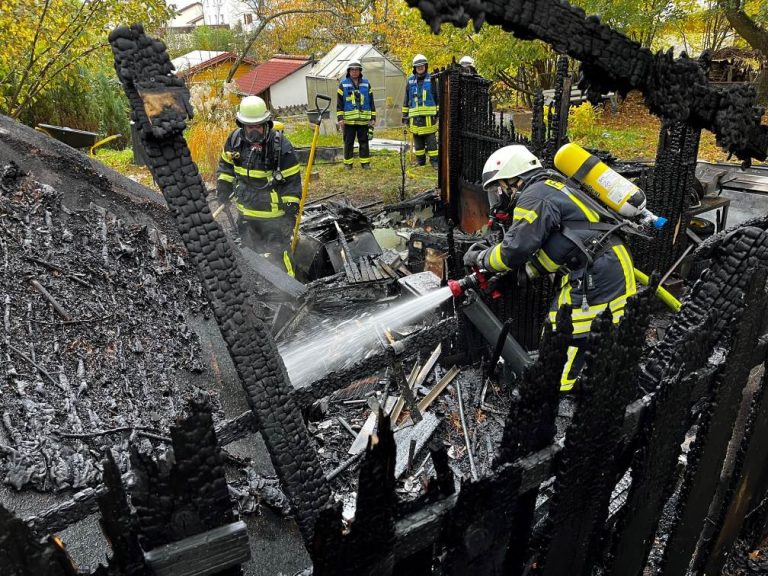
point(382, 182)
point(629, 133)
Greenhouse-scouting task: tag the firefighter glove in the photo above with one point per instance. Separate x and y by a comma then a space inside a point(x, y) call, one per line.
point(475, 256)
point(223, 191)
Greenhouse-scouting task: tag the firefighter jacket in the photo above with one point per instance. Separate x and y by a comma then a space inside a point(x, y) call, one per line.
point(553, 230)
point(265, 176)
point(420, 104)
point(354, 103)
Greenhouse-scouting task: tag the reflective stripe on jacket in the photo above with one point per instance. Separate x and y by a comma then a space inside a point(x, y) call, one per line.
point(535, 240)
point(420, 97)
point(354, 104)
point(249, 170)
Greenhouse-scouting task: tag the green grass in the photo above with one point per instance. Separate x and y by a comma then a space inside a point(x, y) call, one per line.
point(381, 182)
point(627, 143)
point(122, 161)
point(301, 136)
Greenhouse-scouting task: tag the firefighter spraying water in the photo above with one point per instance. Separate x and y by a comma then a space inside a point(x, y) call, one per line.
point(550, 225)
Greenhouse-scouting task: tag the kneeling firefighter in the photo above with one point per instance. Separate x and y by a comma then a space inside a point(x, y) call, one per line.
point(259, 166)
point(552, 229)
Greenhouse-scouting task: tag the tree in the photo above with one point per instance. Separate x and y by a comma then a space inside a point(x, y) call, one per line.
point(268, 13)
point(753, 31)
point(45, 40)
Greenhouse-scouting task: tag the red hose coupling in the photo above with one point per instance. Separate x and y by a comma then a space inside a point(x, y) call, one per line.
point(456, 288)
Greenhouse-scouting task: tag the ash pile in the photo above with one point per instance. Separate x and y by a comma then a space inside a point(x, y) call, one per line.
point(97, 351)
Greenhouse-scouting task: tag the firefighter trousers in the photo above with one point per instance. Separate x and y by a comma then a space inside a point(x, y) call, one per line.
point(270, 237)
point(361, 132)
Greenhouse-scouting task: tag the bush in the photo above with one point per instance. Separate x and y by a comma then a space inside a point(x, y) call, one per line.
point(89, 99)
point(582, 121)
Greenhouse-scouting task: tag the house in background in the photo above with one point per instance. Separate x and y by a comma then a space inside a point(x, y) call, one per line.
point(280, 81)
point(189, 16)
point(210, 68)
point(213, 13)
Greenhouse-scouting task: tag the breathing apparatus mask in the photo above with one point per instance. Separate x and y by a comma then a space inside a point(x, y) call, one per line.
point(255, 133)
point(503, 196)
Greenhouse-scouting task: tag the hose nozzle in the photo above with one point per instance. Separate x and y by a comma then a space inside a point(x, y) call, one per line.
point(475, 280)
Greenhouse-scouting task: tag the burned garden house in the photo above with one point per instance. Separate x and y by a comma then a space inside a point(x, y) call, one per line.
point(132, 331)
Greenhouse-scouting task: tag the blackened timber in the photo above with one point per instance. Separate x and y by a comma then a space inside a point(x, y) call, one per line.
point(424, 341)
point(143, 67)
point(477, 532)
point(581, 497)
point(422, 528)
point(753, 481)
point(482, 137)
point(710, 447)
point(536, 466)
point(654, 464)
point(236, 428)
point(210, 552)
point(277, 278)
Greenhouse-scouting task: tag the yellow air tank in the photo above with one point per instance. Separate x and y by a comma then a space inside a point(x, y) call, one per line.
point(607, 185)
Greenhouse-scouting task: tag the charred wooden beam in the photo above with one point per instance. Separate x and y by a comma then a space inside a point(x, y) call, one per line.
point(145, 70)
point(203, 554)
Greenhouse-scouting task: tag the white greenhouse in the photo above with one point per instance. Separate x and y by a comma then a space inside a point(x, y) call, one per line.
point(386, 77)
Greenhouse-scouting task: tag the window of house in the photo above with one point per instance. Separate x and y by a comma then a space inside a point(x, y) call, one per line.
point(247, 18)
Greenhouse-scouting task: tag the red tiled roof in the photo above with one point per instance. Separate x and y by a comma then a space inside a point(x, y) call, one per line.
point(213, 61)
point(269, 73)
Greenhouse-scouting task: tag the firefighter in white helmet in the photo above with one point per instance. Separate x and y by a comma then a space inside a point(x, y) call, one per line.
point(420, 111)
point(467, 64)
point(355, 113)
point(258, 164)
point(550, 231)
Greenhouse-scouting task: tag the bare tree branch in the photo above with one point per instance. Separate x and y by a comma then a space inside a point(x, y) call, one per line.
point(264, 21)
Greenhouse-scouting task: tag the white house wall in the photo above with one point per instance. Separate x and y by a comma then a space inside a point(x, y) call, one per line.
point(228, 12)
point(188, 16)
point(290, 91)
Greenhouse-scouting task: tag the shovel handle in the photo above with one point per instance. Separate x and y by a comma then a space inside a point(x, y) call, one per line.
point(322, 112)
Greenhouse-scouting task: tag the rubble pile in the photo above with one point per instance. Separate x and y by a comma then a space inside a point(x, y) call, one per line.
point(96, 346)
point(336, 424)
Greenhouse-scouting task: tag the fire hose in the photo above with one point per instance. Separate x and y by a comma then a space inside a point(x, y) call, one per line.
point(490, 326)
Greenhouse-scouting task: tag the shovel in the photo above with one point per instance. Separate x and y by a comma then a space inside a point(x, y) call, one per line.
point(310, 161)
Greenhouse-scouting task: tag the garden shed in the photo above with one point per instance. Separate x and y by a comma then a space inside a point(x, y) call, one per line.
point(385, 75)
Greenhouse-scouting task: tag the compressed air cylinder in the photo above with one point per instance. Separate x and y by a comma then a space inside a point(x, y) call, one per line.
point(610, 187)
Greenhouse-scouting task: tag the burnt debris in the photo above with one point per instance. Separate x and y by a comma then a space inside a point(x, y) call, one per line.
point(97, 348)
point(181, 499)
point(634, 474)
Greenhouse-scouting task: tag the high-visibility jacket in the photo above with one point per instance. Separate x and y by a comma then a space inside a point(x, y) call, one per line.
point(420, 104)
point(264, 176)
point(354, 102)
point(548, 224)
